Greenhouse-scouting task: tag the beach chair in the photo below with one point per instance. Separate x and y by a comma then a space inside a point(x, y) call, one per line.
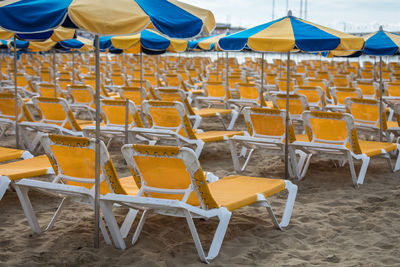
point(7, 112)
point(216, 94)
point(134, 94)
point(73, 159)
point(392, 91)
point(56, 117)
point(314, 94)
point(248, 95)
point(366, 116)
point(297, 104)
point(83, 98)
point(197, 115)
point(173, 183)
point(339, 94)
point(114, 115)
point(368, 88)
point(333, 136)
point(266, 128)
point(169, 124)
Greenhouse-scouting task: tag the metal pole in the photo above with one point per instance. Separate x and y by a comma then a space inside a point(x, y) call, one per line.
point(73, 67)
point(273, 9)
point(54, 73)
point(262, 80)
point(126, 120)
point(227, 75)
point(16, 94)
point(305, 9)
point(97, 159)
point(217, 66)
point(381, 109)
point(287, 119)
point(141, 80)
point(301, 8)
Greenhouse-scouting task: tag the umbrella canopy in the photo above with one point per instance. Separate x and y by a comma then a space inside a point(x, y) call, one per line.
point(290, 33)
point(380, 43)
point(207, 43)
point(173, 18)
point(148, 40)
point(285, 35)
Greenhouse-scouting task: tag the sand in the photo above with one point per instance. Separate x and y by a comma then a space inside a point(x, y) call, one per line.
point(333, 224)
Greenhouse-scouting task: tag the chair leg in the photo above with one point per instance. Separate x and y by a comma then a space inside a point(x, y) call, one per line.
point(235, 158)
point(195, 236)
point(397, 164)
point(140, 226)
point(128, 222)
point(235, 115)
point(106, 207)
point(358, 180)
point(57, 214)
point(287, 213)
point(4, 183)
point(26, 204)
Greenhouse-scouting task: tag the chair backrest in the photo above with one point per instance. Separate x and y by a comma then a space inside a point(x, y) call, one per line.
point(365, 111)
point(392, 89)
point(171, 94)
point(82, 94)
point(281, 84)
point(169, 173)
point(341, 81)
point(48, 90)
point(114, 113)
point(133, 94)
point(169, 116)
point(297, 103)
point(173, 80)
point(339, 94)
point(56, 111)
point(217, 89)
point(267, 123)
point(7, 108)
point(368, 88)
point(73, 160)
point(248, 91)
point(332, 128)
point(314, 94)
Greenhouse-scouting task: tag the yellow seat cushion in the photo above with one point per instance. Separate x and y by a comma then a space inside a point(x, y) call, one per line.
point(392, 124)
point(212, 112)
point(128, 183)
point(234, 192)
point(302, 138)
point(373, 148)
point(213, 136)
point(7, 154)
point(36, 166)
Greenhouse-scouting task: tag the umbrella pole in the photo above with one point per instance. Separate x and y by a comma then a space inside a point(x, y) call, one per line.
point(16, 94)
point(97, 134)
point(217, 66)
point(54, 73)
point(262, 80)
point(287, 117)
point(381, 109)
point(126, 120)
point(227, 76)
point(141, 81)
point(73, 67)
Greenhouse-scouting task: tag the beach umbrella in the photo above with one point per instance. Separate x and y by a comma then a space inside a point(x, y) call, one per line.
point(149, 42)
point(107, 17)
point(290, 34)
point(380, 43)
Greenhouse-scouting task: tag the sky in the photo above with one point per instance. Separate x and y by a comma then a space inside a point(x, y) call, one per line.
point(344, 15)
